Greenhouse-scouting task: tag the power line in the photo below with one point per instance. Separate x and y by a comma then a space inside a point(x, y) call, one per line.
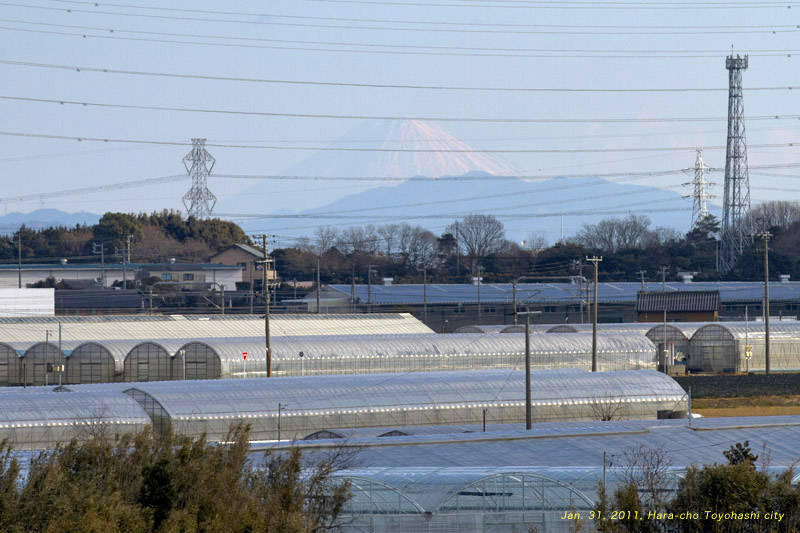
point(588, 55)
point(401, 118)
point(333, 26)
point(379, 85)
point(446, 23)
point(510, 4)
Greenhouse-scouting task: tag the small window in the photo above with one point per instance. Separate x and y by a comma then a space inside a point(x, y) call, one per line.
point(459, 310)
point(577, 309)
point(731, 307)
point(792, 307)
point(243, 265)
point(188, 277)
point(490, 309)
point(549, 308)
point(166, 276)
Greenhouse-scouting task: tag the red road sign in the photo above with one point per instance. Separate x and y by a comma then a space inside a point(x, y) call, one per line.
point(244, 355)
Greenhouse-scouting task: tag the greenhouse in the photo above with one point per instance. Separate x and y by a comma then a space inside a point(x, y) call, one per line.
point(676, 335)
point(293, 408)
point(625, 327)
point(151, 361)
point(415, 353)
point(37, 420)
point(492, 329)
point(92, 362)
point(723, 347)
point(462, 499)
point(178, 359)
point(9, 366)
point(144, 327)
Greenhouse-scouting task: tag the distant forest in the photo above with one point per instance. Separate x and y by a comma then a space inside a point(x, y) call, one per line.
point(630, 247)
point(154, 238)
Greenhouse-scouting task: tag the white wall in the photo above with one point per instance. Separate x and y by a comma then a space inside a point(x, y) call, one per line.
point(27, 302)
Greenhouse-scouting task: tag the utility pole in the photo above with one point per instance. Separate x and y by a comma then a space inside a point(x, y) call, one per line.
point(766, 235)
point(663, 279)
point(596, 260)
point(641, 274)
point(353, 290)
point(424, 292)
point(101, 250)
point(318, 287)
point(265, 289)
point(369, 287)
point(528, 366)
point(18, 242)
point(125, 252)
point(480, 271)
point(458, 253)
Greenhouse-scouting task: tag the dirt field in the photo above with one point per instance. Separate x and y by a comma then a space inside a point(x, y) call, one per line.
point(749, 406)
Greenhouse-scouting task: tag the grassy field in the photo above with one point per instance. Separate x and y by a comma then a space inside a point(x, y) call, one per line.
point(748, 406)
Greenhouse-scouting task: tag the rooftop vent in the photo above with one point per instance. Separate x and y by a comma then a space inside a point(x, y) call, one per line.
point(171, 260)
point(477, 280)
point(785, 278)
point(388, 281)
point(63, 261)
point(686, 277)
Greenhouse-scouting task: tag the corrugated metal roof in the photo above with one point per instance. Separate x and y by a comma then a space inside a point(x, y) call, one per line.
point(615, 292)
point(33, 329)
point(684, 301)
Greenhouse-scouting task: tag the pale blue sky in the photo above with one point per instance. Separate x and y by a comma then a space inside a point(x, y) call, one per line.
point(33, 165)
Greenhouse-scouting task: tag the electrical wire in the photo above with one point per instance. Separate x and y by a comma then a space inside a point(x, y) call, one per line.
point(397, 118)
point(383, 86)
point(446, 23)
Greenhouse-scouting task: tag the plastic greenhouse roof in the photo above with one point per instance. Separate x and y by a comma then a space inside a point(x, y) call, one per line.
point(348, 346)
point(756, 330)
point(730, 291)
point(432, 487)
point(46, 408)
point(235, 398)
point(32, 329)
point(623, 327)
point(570, 445)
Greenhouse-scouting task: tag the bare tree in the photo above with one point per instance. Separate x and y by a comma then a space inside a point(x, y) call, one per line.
point(770, 214)
point(416, 244)
point(648, 469)
point(325, 238)
point(606, 408)
point(478, 236)
point(613, 234)
point(535, 242)
point(390, 235)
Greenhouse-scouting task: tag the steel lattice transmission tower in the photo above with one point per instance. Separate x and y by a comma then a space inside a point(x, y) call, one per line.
point(199, 201)
point(735, 236)
point(701, 186)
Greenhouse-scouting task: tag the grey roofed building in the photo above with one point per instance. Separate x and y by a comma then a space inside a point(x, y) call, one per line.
point(451, 306)
point(613, 292)
point(694, 301)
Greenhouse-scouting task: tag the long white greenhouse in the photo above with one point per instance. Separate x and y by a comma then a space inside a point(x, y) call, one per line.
point(723, 347)
point(212, 358)
point(294, 408)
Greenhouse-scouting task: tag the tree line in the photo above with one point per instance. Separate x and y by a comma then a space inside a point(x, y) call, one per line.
point(154, 237)
point(631, 248)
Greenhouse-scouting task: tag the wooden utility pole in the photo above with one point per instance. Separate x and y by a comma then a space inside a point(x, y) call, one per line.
point(596, 260)
point(766, 235)
point(265, 288)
